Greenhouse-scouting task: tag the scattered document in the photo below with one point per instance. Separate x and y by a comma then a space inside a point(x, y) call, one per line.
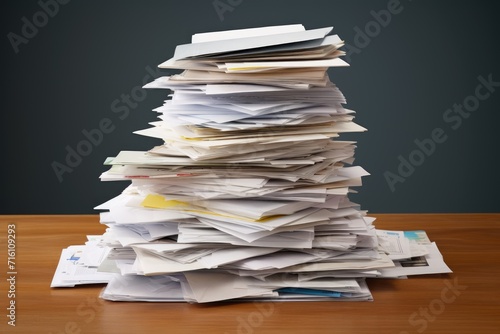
point(80, 265)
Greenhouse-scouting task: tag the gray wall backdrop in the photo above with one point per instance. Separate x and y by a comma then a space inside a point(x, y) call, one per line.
point(424, 79)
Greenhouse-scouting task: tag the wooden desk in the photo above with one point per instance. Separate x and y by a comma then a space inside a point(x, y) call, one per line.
point(467, 301)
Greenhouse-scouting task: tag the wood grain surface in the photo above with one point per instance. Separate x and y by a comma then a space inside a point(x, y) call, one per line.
point(467, 301)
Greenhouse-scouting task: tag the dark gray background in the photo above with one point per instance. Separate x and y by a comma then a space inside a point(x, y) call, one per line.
point(427, 58)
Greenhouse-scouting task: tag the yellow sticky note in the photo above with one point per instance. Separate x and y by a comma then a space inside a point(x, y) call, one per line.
point(252, 68)
point(160, 202)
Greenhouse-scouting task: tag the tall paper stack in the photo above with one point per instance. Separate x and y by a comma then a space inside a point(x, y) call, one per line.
point(247, 198)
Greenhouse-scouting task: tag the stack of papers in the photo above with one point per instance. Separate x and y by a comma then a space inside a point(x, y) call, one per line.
point(247, 196)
